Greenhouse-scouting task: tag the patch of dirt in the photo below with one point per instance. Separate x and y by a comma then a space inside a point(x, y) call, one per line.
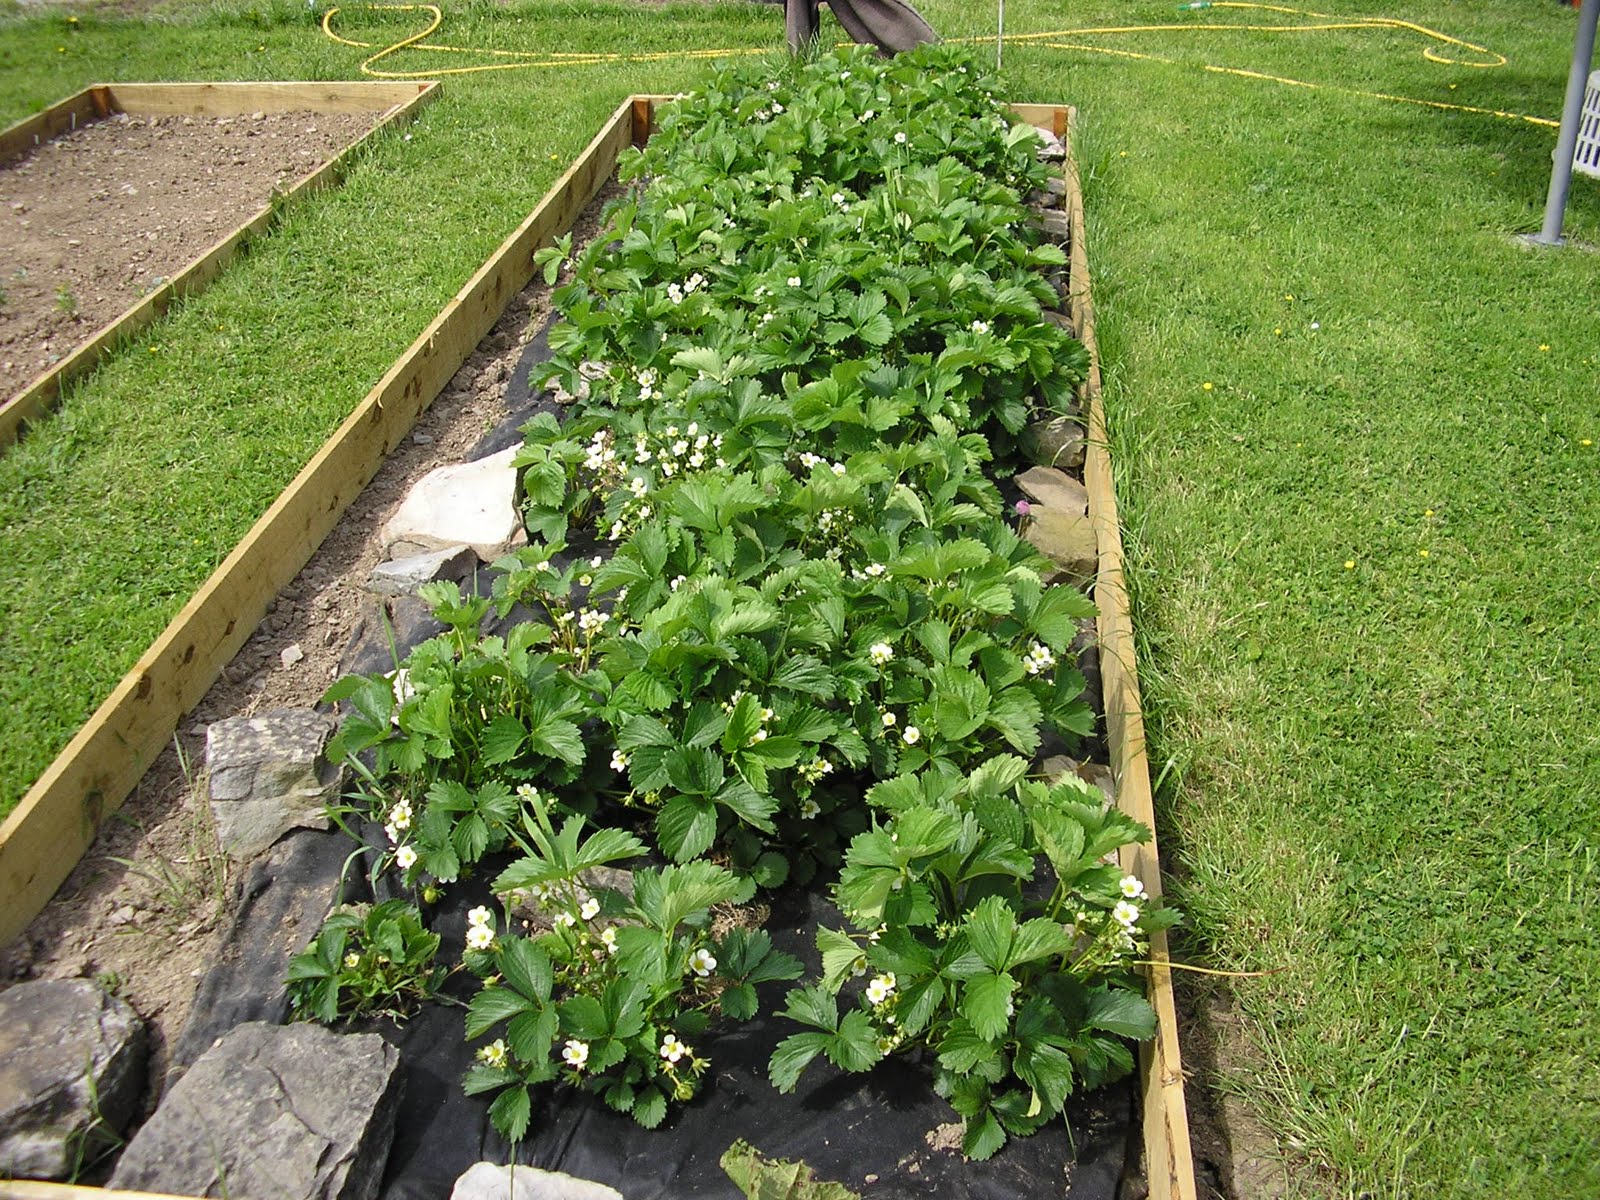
point(95, 219)
point(1235, 1156)
point(146, 909)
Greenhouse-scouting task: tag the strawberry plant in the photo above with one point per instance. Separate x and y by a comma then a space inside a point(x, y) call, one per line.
point(1018, 995)
point(768, 572)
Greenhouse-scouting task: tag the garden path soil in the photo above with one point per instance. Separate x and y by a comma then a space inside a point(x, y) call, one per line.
point(93, 220)
point(145, 909)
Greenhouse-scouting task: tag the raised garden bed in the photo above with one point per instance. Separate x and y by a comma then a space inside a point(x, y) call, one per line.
point(1165, 1139)
point(125, 197)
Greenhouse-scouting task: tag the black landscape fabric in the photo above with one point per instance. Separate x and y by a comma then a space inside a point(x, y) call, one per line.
point(885, 1132)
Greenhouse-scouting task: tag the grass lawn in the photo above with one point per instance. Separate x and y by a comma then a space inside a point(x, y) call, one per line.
point(1356, 430)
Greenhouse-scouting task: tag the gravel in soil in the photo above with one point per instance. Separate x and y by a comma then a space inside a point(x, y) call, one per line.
point(92, 221)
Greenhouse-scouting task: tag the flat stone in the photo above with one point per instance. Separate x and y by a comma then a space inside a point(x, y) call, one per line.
point(1051, 148)
point(403, 576)
point(1058, 442)
point(290, 1112)
point(268, 775)
point(1067, 540)
point(1061, 321)
point(72, 1066)
point(1097, 775)
point(486, 1181)
point(471, 504)
point(1053, 489)
point(1057, 225)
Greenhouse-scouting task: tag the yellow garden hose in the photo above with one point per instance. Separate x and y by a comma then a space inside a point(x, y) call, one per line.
point(1458, 52)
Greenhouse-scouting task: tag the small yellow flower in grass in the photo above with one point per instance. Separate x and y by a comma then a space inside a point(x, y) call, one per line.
point(1289, 296)
point(1422, 553)
point(1349, 564)
point(1206, 386)
point(1427, 512)
point(1278, 331)
point(1544, 347)
point(1585, 441)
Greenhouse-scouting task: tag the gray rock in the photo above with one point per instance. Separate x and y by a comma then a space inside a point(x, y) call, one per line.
point(1067, 540)
point(72, 1065)
point(1096, 775)
point(472, 504)
point(1053, 489)
point(1061, 321)
point(486, 1181)
point(268, 776)
point(403, 576)
point(1057, 225)
point(1051, 148)
point(1058, 442)
point(273, 1112)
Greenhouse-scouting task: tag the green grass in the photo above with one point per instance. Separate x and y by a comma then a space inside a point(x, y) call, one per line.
point(1384, 778)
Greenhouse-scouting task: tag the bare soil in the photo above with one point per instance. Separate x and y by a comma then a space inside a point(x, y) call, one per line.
point(97, 218)
point(147, 907)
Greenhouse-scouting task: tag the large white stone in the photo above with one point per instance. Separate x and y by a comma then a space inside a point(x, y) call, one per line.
point(471, 504)
point(486, 1181)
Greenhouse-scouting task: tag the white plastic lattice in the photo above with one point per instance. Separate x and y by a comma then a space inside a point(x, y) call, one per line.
point(1586, 158)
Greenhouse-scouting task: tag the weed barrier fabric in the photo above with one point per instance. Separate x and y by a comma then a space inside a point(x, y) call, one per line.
point(884, 1132)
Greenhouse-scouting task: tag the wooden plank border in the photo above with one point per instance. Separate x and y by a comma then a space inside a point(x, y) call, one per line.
point(285, 537)
point(49, 831)
point(395, 102)
point(1169, 1158)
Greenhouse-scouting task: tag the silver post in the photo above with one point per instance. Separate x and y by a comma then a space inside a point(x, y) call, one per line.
point(1000, 37)
point(1555, 205)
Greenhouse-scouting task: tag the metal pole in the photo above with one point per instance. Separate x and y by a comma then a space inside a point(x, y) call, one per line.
point(1555, 206)
point(1000, 37)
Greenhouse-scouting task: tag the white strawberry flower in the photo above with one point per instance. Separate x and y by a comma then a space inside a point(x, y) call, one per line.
point(889, 720)
point(1125, 913)
point(1131, 887)
point(494, 1054)
point(911, 736)
point(702, 963)
point(608, 939)
point(590, 909)
point(881, 988)
point(809, 809)
point(672, 1049)
point(900, 138)
point(405, 858)
point(480, 937)
point(482, 915)
point(575, 1054)
point(794, 281)
point(619, 761)
point(881, 653)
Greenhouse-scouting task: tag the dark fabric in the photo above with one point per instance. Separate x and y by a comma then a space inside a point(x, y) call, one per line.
point(884, 1132)
point(887, 24)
